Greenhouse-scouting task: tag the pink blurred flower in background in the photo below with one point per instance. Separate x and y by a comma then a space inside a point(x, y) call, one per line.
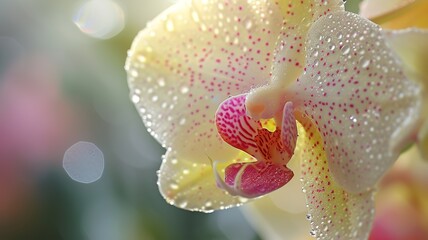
point(37, 123)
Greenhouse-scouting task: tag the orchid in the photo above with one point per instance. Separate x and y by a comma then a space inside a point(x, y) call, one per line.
point(409, 22)
point(235, 90)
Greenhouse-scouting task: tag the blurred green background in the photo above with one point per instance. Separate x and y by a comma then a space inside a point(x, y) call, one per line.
point(37, 199)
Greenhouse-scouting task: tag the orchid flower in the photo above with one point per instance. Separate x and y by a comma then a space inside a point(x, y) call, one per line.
point(409, 22)
point(235, 89)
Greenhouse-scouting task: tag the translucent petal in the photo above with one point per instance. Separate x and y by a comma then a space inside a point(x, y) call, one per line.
point(192, 186)
point(334, 213)
point(412, 48)
point(274, 223)
point(181, 67)
point(356, 93)
point(396, 14)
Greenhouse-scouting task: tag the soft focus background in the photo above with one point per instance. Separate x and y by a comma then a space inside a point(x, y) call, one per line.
point(62, 81)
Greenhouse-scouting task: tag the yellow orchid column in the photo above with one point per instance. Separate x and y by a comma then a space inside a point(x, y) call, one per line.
point(248, 95)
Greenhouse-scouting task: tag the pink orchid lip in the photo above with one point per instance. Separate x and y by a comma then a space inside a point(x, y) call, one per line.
point(272, 150)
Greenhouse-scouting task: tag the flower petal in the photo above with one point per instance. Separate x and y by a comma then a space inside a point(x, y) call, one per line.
point(180, 68)
point(412, 48)
point(264, 102)
point(356, 93)
point(396, 14)
point(334, 212)
point(414, 57)
point(289, 129)
point(274, 223)
point(236, 128)
point(272, 150)
point(252, 180)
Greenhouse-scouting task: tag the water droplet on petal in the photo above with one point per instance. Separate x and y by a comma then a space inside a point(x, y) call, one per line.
point(346, 50)
point(248, 24)
point(135, 98)
point(169, 25)
point(365, 63)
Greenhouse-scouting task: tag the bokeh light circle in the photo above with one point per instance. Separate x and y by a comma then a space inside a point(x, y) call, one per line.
point(102, 19)
point(84, 162)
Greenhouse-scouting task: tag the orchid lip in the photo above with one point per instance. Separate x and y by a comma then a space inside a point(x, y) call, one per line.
point(272, 150)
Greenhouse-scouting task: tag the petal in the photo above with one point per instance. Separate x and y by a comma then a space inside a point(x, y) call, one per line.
point(396, 14)
point(423, 140)
point(356, 93)
point(235, 127)
point(180, 68)
point(271, 149)
point(334, 212)
point(273, 223)
point(415, 55)
point(266, 101)
point(252, 180)
point(289, 129)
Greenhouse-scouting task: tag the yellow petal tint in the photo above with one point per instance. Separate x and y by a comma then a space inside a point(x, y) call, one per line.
point(180, 68)
point(272, 223)
point(411, 45)
point(334, 213)
point(354, 90)
point(396, 14)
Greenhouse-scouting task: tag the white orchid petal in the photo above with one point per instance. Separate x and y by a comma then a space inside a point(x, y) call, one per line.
point(412, 48)
point(264, 102)
point(354, 90)
point(334, 213)
point(180, 68)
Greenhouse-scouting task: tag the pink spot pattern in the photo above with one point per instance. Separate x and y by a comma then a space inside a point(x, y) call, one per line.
point(354, 91)
point(272, 150)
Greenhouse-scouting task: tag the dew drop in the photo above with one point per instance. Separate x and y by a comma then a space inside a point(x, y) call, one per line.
point(195, 16)
point(182, 121)
point(173, 186)
point(248, 24)
point(346, 50)
point(184, 89)
point(315, 53)
point(169, 25)
point(161, 82)
point(135, 99)
point(365, 63)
